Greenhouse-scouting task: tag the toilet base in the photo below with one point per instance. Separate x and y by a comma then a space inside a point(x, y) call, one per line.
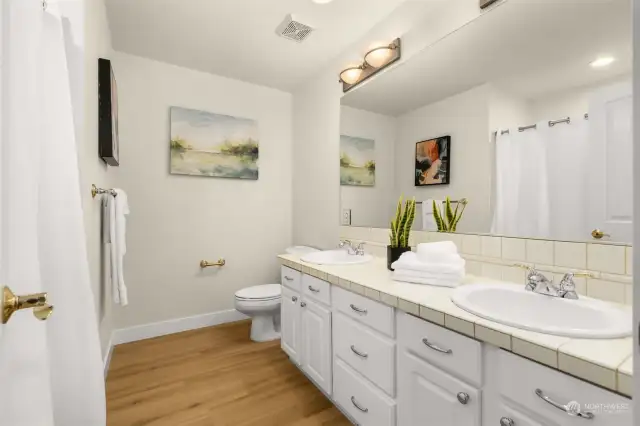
point(265, 328)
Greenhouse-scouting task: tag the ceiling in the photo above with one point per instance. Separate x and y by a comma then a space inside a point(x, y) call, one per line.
point(236, 38)
point(528, 48)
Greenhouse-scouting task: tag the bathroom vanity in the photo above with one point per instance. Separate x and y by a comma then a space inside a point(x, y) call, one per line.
point(392, 353)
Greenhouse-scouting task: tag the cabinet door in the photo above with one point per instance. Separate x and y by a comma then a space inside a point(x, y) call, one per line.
point(508, 415)
point(427, 395)
point(290, 331)
point(316, 343)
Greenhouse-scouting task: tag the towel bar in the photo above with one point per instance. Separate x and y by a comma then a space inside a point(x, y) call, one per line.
point(95, 191)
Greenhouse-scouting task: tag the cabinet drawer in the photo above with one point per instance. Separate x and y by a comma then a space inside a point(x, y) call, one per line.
point(519, 378)
point(369, 312)
point(459, 355)
point(290, 278)
point(316, 289)
point(429, 396)
point(360, 399)
point(366, 351)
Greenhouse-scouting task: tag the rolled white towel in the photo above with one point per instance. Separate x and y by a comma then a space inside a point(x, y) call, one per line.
point(434, 252)
point(438, 282)
point(408, 260)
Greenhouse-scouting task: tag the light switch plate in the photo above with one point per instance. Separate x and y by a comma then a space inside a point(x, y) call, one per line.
point(346, 217)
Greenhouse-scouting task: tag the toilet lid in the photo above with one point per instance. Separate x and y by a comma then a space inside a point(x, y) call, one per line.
point(260, 292)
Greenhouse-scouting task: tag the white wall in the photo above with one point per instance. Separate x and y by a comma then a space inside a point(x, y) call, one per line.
point(371, 205)
point(97, 39)
point(316, 163)
point(464, 117)
point(176, 221)
point(636, 218)
point(569, 103)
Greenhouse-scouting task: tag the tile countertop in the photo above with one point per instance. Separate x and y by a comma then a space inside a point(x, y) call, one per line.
point(604, 362)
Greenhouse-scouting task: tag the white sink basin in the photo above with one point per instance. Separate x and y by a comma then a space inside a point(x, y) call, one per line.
point(512, 305)
point(335, 257)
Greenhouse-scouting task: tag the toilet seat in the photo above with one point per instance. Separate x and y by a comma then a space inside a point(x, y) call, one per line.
point(263, 292)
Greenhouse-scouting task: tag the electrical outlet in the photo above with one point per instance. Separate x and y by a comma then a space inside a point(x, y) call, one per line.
point(346, 217)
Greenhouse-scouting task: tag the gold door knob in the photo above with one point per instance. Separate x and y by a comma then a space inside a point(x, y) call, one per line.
point(12, 303)
point(598, 234)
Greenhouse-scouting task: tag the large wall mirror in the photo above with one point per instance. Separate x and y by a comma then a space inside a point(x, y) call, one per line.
point(526, 113)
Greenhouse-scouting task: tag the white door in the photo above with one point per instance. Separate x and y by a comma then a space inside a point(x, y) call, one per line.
point(429, 396)
point(611, 159)
point(50, 372)
point(290, 324)
point(316, 343)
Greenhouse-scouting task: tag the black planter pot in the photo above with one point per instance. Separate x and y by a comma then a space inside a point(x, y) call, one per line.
point(394, 253)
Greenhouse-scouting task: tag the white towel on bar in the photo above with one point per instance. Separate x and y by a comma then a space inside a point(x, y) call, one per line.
point(428, 221)
point(118, 209)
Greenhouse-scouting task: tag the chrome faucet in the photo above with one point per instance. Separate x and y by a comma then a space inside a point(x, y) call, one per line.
point(351, 249)
point(538, 283)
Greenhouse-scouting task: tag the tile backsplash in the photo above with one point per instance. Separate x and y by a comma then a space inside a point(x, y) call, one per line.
point(609, 266)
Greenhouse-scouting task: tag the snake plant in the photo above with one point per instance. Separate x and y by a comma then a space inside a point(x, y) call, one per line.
point(402, 223)
point(448, 221)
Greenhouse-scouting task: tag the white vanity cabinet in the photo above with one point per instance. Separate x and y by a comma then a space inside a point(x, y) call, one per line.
point(384, 367)
point(305, 325)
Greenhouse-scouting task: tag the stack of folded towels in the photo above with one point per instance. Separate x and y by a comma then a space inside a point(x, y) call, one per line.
point(436, 264)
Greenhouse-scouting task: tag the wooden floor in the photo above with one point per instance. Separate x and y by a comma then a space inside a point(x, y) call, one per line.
point(210, 377)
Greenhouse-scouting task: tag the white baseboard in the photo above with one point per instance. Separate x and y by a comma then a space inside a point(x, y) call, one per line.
point(107, 357)
point(148, 331)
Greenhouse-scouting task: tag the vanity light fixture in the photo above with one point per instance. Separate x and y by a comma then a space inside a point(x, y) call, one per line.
point(375, 61)
point(602, 62)
point(379, 56)
point(351, 75)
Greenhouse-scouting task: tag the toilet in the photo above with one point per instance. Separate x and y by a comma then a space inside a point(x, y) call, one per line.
point(262, 304)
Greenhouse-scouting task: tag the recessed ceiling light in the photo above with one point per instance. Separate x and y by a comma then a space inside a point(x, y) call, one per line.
point(602, 62)
point(322, 1)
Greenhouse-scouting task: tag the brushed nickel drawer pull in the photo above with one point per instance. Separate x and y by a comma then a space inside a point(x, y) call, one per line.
point(360, 354)
point(436, 348)
point(315, 290)
point(506, 421)
point(570, 409)
point(288, 278)
point(358, 310)
point(294, 298)
point(358, 406)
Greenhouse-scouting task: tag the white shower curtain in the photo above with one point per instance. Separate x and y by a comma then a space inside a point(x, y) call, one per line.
point(50, 373)
point(522, 199)
point(540, 176)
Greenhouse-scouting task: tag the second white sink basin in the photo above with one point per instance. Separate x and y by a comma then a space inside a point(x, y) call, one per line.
point(335, 257)
point(512, 305)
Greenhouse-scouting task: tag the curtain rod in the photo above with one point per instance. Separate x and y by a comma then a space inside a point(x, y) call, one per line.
point(551, 124)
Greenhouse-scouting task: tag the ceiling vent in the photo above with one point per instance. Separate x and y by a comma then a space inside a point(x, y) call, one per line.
point(293, 29)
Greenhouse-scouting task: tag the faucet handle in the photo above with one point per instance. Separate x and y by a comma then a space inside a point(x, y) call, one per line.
point(360, 249)
point(344, 243)
point(567, 283)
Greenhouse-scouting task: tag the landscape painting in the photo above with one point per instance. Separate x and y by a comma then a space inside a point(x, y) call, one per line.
point(357, 161)
point(208, 144)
